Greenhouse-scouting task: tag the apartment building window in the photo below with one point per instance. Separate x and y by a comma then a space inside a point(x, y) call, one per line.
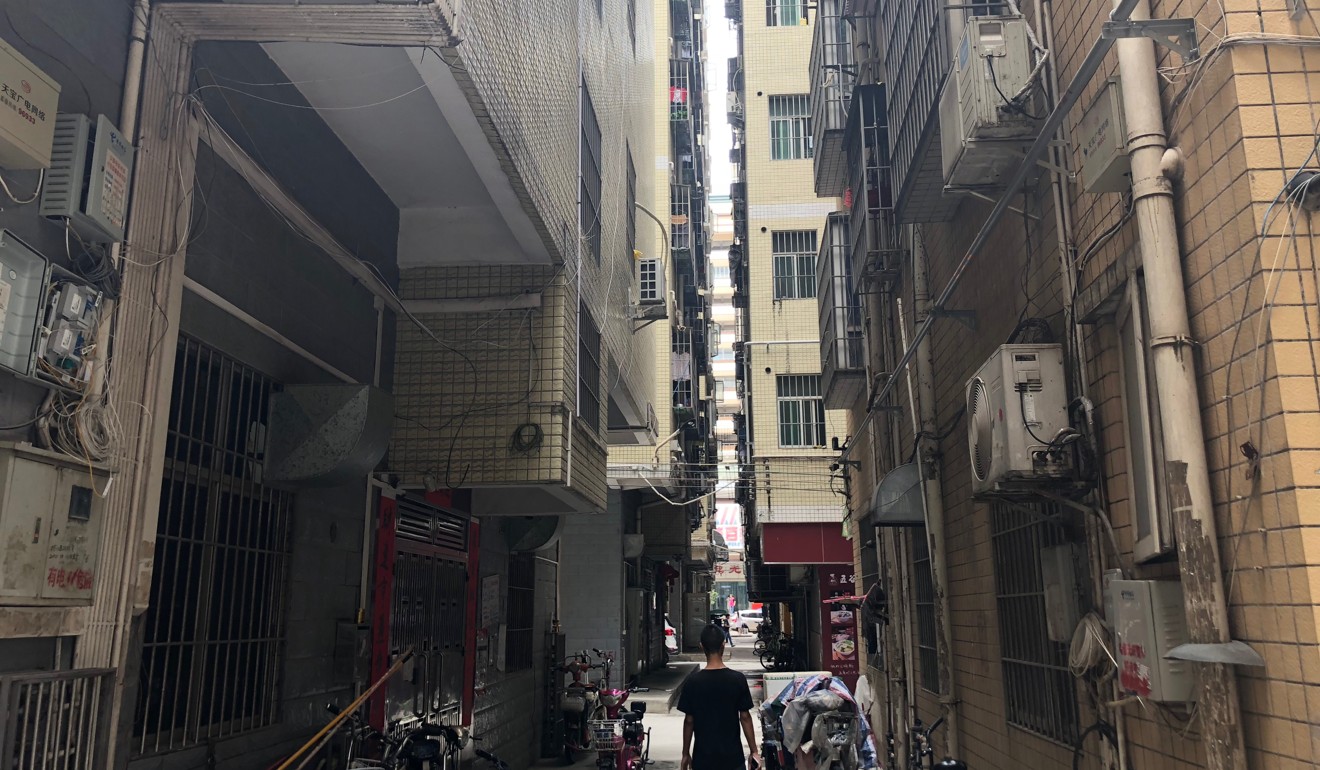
point(801, 410)
point(588, 368)
point(632, 24)
point(630, 215)
point(785, 13)
point(790, 127)
point(794, 253)
point(213, 648)
point(928, 661)
point(682, 393)
point(1141, 421)
point(589, 193)
point(521, 613)
point(1039, 690)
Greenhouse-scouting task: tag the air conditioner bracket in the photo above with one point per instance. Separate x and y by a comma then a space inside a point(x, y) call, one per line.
point(1178, 35)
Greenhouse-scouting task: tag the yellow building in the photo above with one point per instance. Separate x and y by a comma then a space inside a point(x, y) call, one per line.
point(793, 501)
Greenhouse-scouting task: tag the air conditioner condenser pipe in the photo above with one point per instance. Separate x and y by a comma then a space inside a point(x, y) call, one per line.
point(1185, 471)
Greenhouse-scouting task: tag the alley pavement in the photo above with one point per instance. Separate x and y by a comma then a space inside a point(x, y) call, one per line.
point(667, 726)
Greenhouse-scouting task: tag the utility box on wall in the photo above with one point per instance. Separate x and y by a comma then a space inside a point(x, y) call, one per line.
point(29, 99)
point(1102, 139)
point(1149, 620)
point(50, 526)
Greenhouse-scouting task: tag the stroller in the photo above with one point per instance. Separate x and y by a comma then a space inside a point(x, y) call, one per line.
point(815, 724)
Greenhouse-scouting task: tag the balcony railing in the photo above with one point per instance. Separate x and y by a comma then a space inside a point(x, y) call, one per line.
point(832, 76)
point(869, 197)
point(55, 719)
point(682, 27)
point(916, 62)
point(842, 354)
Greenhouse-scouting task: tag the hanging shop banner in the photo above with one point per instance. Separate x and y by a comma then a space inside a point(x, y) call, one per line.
point(728, 521)
point(729, 572)
point(839, 622)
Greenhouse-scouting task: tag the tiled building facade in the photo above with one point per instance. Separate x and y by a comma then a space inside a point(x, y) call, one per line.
point(1243, 118)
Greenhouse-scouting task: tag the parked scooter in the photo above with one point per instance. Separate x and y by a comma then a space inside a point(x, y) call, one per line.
point(580, 704)
point(621, 742)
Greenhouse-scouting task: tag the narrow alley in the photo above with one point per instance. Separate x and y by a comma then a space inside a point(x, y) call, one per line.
point(394, 383)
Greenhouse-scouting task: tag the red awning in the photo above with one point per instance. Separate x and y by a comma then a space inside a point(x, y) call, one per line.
point(817, 543)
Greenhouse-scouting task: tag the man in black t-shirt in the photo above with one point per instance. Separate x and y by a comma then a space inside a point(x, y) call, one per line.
point(717, 702)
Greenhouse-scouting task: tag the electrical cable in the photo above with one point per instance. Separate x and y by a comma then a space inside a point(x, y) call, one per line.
point(1012, 105)
point(1105, 730)
point(1089, 648)
point(36, 192)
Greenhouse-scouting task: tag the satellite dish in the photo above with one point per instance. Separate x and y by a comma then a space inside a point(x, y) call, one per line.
point(531, 533)
point(897, 501)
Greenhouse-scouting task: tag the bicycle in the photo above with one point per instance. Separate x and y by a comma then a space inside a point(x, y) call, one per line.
point(921, 755)
point(424, 746)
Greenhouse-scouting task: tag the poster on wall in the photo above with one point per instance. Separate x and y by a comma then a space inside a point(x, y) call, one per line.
point(838, 623)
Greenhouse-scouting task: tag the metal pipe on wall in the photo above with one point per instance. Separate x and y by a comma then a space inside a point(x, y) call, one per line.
point(928, 453)
point(1186, 472)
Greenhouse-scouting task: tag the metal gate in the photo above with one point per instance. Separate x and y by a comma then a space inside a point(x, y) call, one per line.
point(213, 645)
point(421, 604)
point(55, 720)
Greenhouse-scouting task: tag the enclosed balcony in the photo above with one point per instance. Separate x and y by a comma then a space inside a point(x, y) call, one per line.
point(877, 258)
point(683, 29)
point(680, 220)
point(916, 63)
point(842, 352)
point(833, 74)
point(680, 90)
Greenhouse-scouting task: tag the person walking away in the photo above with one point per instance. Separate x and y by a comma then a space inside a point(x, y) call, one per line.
point(728, 631)
point(717, 702)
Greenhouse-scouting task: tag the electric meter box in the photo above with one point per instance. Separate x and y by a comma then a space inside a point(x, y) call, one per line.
point(1149, 620)
point(29, 101)
point(50, 523)
point(1102, 138)
point(87, 185)
point(24, 275)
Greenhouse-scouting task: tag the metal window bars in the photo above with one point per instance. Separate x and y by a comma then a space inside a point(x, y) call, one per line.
point(680, 90)
point(928, 662)
point(212, 655)
point(680, 217)
point(801, 410)
point(869, 197)
point(55, 720)
point(842, 352)
point(589, 204)
point(1039, 690)
point(793, 254)
point(589, 352)
point(785, 13)
point(790, 127)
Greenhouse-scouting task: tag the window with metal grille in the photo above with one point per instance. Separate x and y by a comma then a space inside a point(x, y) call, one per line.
point(589, 192)
point(682, 393)
point(794, 253)
point(588, 367)
point(521, 617)
point(790, 127)
point(632, 23)
point(680, 217)
point(785, 13)
point(928, 661)
point(212, 655)
point(630, 214)
point(1039, 691)
point(801, 410)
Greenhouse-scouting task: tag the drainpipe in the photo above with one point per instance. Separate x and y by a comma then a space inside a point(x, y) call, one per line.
point(1185, 473)
point(128, 113)
point(933, 489)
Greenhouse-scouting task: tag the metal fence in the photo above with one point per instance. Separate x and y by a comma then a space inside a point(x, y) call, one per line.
point(212, 654)
point(55, 720)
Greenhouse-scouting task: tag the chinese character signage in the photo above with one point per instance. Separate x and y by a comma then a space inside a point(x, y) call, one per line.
point(839, 623)
point(728, 522)
point(729, 572)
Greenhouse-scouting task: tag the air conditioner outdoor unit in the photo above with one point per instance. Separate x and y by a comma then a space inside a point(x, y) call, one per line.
point(982, 136)
point(650, 281)
point(1017, 406)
